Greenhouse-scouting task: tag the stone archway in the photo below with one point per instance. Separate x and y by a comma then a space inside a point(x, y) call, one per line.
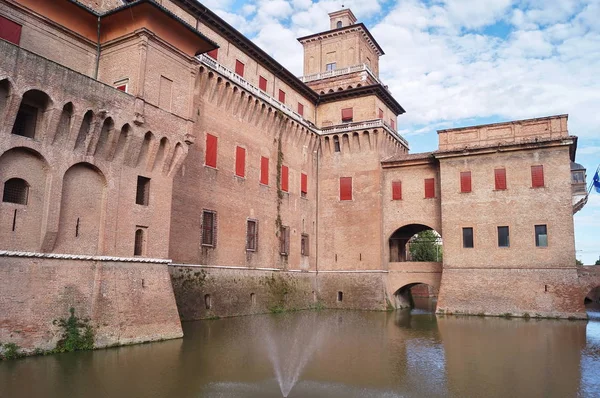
point(405, 296)
point(400, 243)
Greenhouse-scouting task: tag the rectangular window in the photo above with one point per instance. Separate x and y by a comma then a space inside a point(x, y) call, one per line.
point(503, 238)
point(500, 179)
point(285, 178)
point(209, 228)
point(396, 190)
point(345, 188)
point(264, 170)
point(284, 240)
point(429, 188)
point(262, 83)
point(380, 114)
point(467, 237)
point(282, 96)
point(347, 115)
point(537, 176)
point(304, 245)
point(142, 195)
point(251, 235)
point(303, 185)
point(300, 109)
point(213, 53)
point(465, 181)
point(239, 68)
point(330, 66)
point(541, 236)
point(211, 151)
point(10, 31)
point(240, 162)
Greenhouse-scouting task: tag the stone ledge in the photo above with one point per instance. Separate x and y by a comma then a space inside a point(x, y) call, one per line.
point(58, 256)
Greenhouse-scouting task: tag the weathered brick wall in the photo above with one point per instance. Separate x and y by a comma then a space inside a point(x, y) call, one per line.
point(518, 292)
point(234, 292)
point(126, 302)
point(239, 119)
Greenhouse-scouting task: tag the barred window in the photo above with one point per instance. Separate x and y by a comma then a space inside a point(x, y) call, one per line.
point(251, 235)
point(139, 245)
point(209, 228)
point(284, 240)
point(16, 190)
point(304, 245)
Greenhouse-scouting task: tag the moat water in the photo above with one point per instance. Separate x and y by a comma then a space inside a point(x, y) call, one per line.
point(332, 354)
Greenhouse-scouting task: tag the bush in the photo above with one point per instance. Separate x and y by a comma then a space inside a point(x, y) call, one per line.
point(77, 335)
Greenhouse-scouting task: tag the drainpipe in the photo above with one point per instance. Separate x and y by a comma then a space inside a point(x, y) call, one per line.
point(97, 51)
point(317, 221)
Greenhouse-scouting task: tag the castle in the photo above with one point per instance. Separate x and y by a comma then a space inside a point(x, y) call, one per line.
point(157, 165)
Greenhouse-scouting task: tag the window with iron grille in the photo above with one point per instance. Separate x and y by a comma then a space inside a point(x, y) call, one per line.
point(16, 190)
point(304, 245)
point(251, 235)
point(284, 240)
point(26, 121)
point(142, 195)
point(140, 240)
point(209, 228)
point(541, 235)
point(503, 237)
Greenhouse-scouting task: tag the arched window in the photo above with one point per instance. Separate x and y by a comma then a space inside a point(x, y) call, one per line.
point(16, 190)
point(138, 249)
point(339, 24)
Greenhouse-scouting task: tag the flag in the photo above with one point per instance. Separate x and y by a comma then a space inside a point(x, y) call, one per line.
point(596, 182)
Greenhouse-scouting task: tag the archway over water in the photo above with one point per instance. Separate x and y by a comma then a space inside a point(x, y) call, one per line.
point(416, 295)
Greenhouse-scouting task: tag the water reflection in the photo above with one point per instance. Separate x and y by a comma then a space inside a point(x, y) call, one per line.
point(336, 354)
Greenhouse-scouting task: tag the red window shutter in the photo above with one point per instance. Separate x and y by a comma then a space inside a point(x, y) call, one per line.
point(281, 96)
point(122, 87)
point(396, 190)
point(240, 162)
point(303, 183)
point(345, 188)
point(211, 151)
point(500, 178)
point(239, 68)
point(262, 83)
point(264, 170)
point(429, 188)
point(380, 114)
point(537, 176)
point(284, 178)
point(465, 181)
point(10, 31)
point(347, 114)
point(300, 109)
point(213, 53)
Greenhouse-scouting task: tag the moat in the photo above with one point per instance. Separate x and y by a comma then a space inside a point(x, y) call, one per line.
point(332, 354)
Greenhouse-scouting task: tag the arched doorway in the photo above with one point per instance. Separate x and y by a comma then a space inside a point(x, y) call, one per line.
point(416, 295)
point(415, 242)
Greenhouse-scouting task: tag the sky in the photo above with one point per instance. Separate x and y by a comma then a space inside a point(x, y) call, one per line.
point(453, 63)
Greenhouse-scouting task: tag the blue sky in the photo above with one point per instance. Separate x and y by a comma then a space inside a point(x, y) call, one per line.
point(453, 63)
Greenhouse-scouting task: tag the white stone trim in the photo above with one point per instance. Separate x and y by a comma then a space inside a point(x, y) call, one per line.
point(81, 257)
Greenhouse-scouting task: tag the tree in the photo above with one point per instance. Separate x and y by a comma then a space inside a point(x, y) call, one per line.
point(578, 262)
point(597, 262)
point(425, 247)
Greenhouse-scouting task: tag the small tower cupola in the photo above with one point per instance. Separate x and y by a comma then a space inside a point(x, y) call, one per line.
point(341, 18)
